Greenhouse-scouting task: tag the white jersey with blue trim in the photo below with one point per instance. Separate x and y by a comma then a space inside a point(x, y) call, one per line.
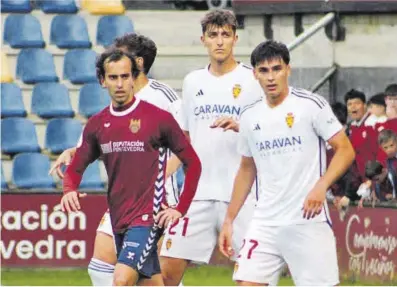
point(165, 98)
point(205, 98)
point(287, 143)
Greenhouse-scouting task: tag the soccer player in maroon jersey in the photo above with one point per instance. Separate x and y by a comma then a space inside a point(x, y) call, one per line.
point(128, 135)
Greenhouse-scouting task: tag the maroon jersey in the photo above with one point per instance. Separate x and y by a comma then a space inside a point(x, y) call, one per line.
point(131, 142)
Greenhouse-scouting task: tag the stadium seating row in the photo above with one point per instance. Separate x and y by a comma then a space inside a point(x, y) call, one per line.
point(19, 135)
point(66, 32)
point(50, 100)
point(35, 65)
point(96, 7)
point(30, 171)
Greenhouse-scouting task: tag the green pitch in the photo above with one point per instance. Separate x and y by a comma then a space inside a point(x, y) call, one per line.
point(198, 276)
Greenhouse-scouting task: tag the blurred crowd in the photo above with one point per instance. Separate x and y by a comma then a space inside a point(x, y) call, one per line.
point(372, 128)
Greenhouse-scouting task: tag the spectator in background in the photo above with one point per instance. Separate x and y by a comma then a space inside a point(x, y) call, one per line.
point(343, 190)
point(361, 136)
point(377, 109)
point(387, 140)
point(381, 187)
point(391, 101)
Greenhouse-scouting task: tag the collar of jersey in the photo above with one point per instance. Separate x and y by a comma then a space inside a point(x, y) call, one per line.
point(134, 104)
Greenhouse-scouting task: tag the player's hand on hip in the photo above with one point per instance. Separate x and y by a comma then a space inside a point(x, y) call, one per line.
point(70, 201)
point(64, 159)
point(225, 239)
point(166, 216)
point(226, 123)
point(314, 200)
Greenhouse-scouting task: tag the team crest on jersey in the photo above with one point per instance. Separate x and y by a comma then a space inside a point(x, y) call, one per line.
point(236, 90)
point(290, 120)
point(135, 125)
point(168, 244)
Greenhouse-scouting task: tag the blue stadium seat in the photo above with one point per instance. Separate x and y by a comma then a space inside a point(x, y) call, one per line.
point(23, 31)
point(93, 98)
point(51, 100)
point(16, 6)
point(61, 134)
point(30, 171)
point(18, 135)
point(69, 31)
point(35, 66)
point(4, 184)
point(92, 178)
point(58, 6)
point(79, 66)
point(11, 101)
point(110, 27)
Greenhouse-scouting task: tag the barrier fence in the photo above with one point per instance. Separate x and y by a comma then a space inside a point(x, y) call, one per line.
point(36, 233)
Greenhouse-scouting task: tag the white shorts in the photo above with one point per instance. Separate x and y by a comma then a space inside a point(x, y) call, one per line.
point(309, 250)
point(195, 236)
point(105, 225)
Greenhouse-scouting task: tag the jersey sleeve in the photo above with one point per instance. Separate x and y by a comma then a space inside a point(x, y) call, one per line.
point(185, 107)
point(243, 147)
point(87, 152)
point(174, 109)
point(325, 122)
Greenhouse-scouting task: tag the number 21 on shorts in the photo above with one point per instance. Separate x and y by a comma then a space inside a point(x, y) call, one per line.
point(251, 245)
point(185, 222)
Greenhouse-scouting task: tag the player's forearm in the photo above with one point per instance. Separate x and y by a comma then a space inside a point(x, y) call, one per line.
point(340, 163)
point(72, 178)
point(242, 187)
point(172, 165)
point(192, 175)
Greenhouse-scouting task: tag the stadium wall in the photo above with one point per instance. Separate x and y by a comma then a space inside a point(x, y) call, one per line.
point(35, 233)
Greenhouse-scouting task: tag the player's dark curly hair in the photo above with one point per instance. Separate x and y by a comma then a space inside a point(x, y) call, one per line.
point(391, 90)
point(270, 50)
point(114, 55)
point(219, 18)
point(140, 46)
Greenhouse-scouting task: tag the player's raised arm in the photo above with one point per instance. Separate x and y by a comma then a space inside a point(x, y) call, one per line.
point(87, 151)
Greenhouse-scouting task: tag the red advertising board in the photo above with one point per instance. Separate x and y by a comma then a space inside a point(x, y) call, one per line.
point(367, 243)
point(35, 232)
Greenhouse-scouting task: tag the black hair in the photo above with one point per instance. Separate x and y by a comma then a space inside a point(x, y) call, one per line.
point(139, 46)
point(340, 112)
point(354, 94)
point(269, 50)
point(219, 18)
point(114, 55)
point(373, 168)
point(391, 90)
point(378, 99)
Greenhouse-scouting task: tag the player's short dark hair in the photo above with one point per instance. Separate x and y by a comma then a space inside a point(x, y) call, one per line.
point(386, 135)
point(219, 18)
point(140, 46)
point(114, 55)
point(354, 94)
point(340, 112)
point(373, 168)
point(378, 99)
point(269, 50)
point(391, 90)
